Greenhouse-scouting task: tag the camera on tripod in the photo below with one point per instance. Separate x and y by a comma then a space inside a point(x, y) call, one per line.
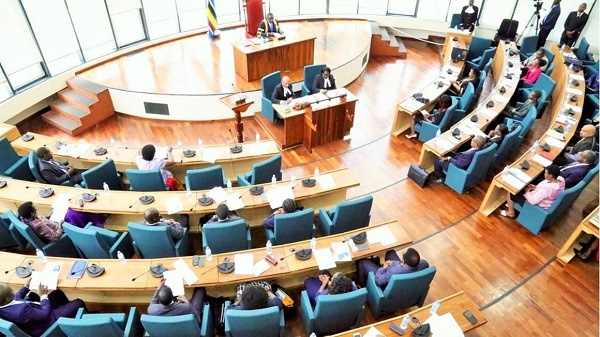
point(537, 4)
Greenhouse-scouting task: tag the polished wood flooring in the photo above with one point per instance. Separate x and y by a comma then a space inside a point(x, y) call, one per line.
point(507, 271)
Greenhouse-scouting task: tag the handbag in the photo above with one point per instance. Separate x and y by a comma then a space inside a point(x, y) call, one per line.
point(418, 174)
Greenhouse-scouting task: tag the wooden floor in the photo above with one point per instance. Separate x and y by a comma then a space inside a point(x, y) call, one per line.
point(507, 271)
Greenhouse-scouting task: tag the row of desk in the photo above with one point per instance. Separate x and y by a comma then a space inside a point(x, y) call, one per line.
point(589, 226)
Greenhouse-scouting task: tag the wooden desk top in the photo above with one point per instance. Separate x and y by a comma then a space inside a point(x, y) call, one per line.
point(589, 225)
point(329, 99)
point(9, 131)
point(290, 38)
point(455, 304)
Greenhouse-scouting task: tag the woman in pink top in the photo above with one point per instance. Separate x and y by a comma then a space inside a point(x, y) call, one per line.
point(542, 195)
point(533, 71)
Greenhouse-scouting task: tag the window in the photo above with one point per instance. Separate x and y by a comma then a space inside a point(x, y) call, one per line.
point(92, 27)
point(192, 14)
point(161, 18)
point(372, 7)
point(284, 7)
point(308, 7)
point(227, 11)
point(402, 7)
point(126, 18)
point(343, 6)
point(5, 91)
point(435, 10)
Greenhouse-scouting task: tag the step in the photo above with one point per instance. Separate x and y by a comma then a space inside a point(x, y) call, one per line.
point(384, 34)
point(84, 86)
point(68, 109)
point(65, 124)
point(375, 30)
point(401, 47)
point(76, 98)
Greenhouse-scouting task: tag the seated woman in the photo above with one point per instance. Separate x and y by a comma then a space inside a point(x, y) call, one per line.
point(256, 295)
point(542, 195)
point(288, 206)
point(533, 71)
point(458, 87)
point(326, 284)
point(147, 161)
point(434, 118)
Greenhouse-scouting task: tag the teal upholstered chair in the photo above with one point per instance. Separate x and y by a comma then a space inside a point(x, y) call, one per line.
point(347, 215)
point(402, 292)
point(428, 131)
point(549, 70)
point(105, 172)
point(9, 329)
point(528, 45)
point(464, 103)
point(487, 68)
point(145, 180)
point(262, 172)
point(105, 325)
point(62, 248)
point(461, 180)
point(225, 237)
point(332, 313)
point(455, 21)
point(9, 237)
point(481, 61)
point(292, 227)
point(482, 77)
point(183, 325)
point(477, 47)
point(151, 242)
point(591, 69)
point(310, 72)
point(99, 243)
point(582, 51)
point(508, 146)
point(11, 164)
point(545, 84)
point(526, 123)
point(267, 322)
point(549, 54)
point(205, 178)
point(268, 84)
point(34, 167)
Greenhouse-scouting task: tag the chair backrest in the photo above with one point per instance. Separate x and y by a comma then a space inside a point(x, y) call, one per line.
point(582, 50)
point(566, 198)
point(455, 20)
point(292, 227)
point(528, 45)
point(11, 330)
point(7, 154)
point(487, 55)
point(527, 122)
point(352, 214)
point(182, 325)
point(448, 116)
point(34, 166)
point(486, 68)
point(549, 70)
point(269, 82)
point(263, 172)
point(591, 174)
point(205, 178)
point(105, 172)
point(509, 145)
point(478, 46)
point(336, 312)
point(481, 162)
point(25, 231)
point(545, 83)
point(508, 28)
point(152, 241)
point(482, 77)
point(549, 54)
point(310, 72)
point(88, 241)
point(90, 327)
point(225, 237)
point(250, 323)
point(407, 290)
point(145, 180)
point(467, 98)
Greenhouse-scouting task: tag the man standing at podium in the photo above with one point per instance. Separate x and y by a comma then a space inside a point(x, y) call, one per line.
point(323, 82)
point(268, 26)
point(283, 92)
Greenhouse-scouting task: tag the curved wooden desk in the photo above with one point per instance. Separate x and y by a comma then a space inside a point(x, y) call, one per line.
point(82, 155)
point(125, 207)
point(116, 285)
point(589, 226)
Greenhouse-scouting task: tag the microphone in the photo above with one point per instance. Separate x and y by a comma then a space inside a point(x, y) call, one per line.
point(240, 99)
point(29, 263)
point(82, 269)
point(292, 251)
point(140, 275)
point(134, 203)
point(236, 148)
point(241, 195)
point(196, 204)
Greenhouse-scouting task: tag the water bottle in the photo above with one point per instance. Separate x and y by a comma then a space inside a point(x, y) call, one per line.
point(568, 128)
point(570, 67)
point(562, 48)
point(257, 138)
point(179, 145)
point(313, 244)
point(105, 187)
point(200, 144)
point(112, 142)
point(293, 180)
point(269, 247)
point(316, 173)
point(208, 254)
point(229, 186)
point(435, 307)
point(41, 255)
point(505, 171)
point(121, 258)
point(312, 335)
point(273, 181)
point(535, 145)
point(405, 322)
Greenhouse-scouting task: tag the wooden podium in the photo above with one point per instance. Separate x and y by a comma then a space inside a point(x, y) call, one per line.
point(238, 103)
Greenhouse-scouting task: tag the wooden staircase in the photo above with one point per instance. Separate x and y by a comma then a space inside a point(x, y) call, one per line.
point(80, 106)
point(385, 42)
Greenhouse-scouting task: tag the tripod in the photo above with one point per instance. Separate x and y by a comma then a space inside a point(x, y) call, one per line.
point(536, 16)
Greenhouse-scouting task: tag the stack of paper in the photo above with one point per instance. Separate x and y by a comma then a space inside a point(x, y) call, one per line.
point(513, 181)
point(573, 107)
point(218, 194)
point(541, 160)
point(174, 280)
point(576, 77)
point(341, 252)
point(326, 181)
point(444, 326)
point(574, 91)
point(503, 99)
point(487, 113)
point(444, 144)
point(244, 264)
point(260, 267)
point(234, 202)
point(324, 258)
point(277, 195)
point(173, 205)
point(185, 271)
point(555, 142)
point(555, 134)
point(381, 235)
point(74, 150)
point(522, 176)
point(48, 277)
point(60, 207)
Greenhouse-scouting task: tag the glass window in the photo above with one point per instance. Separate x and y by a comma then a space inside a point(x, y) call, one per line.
point(313, 7)
point(227, 11)
point(126, 18)
point(161, 17)
point(284, 7)
point(54, 32)
point(5, 91)
point(92, 27)
point(192, 14)
point(402, 7)
point(343, 6)
point(436, 10)
point(494, 12)
point(373, 7)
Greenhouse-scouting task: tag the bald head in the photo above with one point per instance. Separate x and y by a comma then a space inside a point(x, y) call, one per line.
point(582, 7)
point(478, 142)
point(587, 131)
point(285, 81)
point(6, 295)
point(151, 215)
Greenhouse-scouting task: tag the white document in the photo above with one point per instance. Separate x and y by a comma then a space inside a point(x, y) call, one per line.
point(60, 207)
point(260, 267)
point(501, 98)
point(522, 176)
point(513, 181)
point(577, 77)
point(573, 107)
point(555, 142)
point(565, 119)
point(373, 236)
point(73, 150)
point(173, 205)
point(541, 160)
point(244, 264)
point(218, 194)
point(324, 258)
point(258, 149)
point(326, 181)
point(47, 277)
point(554, 134)
point(487, 113)
point(444, 144)
point(161, 153)
point(210, 155)
point(385, 236)
point(574, 91)
point(341, 252)
point(234, 202)
point(174, 280)
point(185, 271)
point(277, 195)
point(373, 332)
point(464, 128)
point(444, 326)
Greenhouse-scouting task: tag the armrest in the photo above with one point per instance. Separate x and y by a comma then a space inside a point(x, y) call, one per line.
point(182, 247)
point(325, 221)
point(308, 315)
point(227, 328)
point(134, 327)
point(80, 313)
point(281, 323)
point(62, 248)
point(455, 171)
point(372, 287)
point(110, 237)
point(428, 131)
point(54, 331)
point(124, 244)
point(271, 235)
point(207, 326)
point(242, 181)
point(20, 170)
point(204, 243)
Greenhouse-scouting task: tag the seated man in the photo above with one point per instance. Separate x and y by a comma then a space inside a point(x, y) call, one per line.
point(521, 111)
point(148, 162)
point(152, 218)
point(46, 229)
point(575, 171)
point(458, 87)
point(462, 160)
point(54, 172)
point(223, 214)
point(411, 262)
point(326, 284)
point(591, 84)
point(323, 82)
point(268, 26)
point(34, 317)
point(283, 94)
point(434, 118)
point(162, 303)
point(497, 135)
point(288, 206)
point(539, 55)
point(587, 142)
point(256, 297)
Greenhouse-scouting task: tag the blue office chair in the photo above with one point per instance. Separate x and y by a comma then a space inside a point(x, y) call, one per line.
point(10, 329)
point(464, 103)
point(508, 146)
point(332, 313)
point(310, 72)
point(455, 21)
point(549, 70)
point(268, 84)
point(106, 325)
point(528, 45)
point(461, 180)
point(99, 243)
point(9, 237)
point(61, 248)
point(347, 216)
point(205, 179)
point(590, 69)
point(591, 100)
point(526, 123)
point(402, 292)
point(292, 227)
point(267, 322)
point(105, 172)
point(34, 167)
point(225, 237)
point(549, 54)
point(482, 77)
point(582, 51)
point(12, 165)
point(481, 61)
point(428, 130)
point(487, 68)
point(262, 172)
point(545, 84)
point(477, 47)
point(151, 242)
point(145, 180)
point(183, 325)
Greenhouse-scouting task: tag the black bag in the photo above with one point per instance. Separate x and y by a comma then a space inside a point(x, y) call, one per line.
point(217, 308)
point(418, 175)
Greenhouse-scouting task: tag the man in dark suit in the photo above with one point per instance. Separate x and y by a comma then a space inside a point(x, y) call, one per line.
point(547, 24)
point(283, 92)
point(35, 318)
point(574, 25)
point(162, 303)
point(574, 172)
point(462, 160)
point(268, 26)
point(469, 15)
point(54, 172)
point(323, 82)
point(497, 135)
point(521, 111)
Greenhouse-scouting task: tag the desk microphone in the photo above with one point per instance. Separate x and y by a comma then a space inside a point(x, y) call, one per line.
point(292, 251)
point(241, 195)
point(82, 269)
point(29, 263)
point(140, 275)
point(236, 148)
point(240, 99)
point(134, 203)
